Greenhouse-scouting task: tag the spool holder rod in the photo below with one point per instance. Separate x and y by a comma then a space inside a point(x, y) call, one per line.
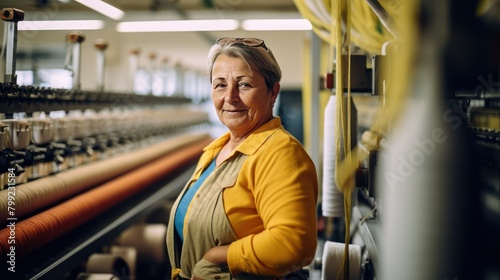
point(11, 16)
point(101, 46)
point(75, 39)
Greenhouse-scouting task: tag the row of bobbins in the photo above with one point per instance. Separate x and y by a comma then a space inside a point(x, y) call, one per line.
point(40, 146)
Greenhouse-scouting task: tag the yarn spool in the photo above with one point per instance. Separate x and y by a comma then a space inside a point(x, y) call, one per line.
point(333, 253)
point(97, 276)
point(148, 239)
point(332, 198)
point(128, 254)
point(107, 264)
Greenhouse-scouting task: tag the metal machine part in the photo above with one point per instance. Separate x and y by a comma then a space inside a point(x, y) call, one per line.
point(360, 78)
point(43, 131)
point(73, 56)
point(11, 16)
point(19, 133)
point(134, 67)
point(3, 135)
point(17, 139)
point(380, 74)
point(365, 175)
point(3, 158)
point(101, 45)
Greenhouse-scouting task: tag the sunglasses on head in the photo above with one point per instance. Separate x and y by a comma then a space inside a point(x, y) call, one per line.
point(249, 42)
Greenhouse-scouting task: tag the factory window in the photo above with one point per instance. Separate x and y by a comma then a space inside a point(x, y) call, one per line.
point(289, 109)
point(43, 68)
point(54, 78)
point(24, 78)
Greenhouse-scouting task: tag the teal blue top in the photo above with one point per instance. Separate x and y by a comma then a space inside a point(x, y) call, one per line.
point(180, 214)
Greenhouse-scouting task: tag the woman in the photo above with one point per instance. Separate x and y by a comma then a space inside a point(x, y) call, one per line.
point(249, 210)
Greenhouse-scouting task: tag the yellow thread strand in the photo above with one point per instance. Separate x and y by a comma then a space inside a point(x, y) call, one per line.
point(396, 91)
point(322, 34)
point(364, 32)
point(347, 145)
point(343, 123)
point(306, 13)
point(175, 272)
point(367, 215)
point(336, 41)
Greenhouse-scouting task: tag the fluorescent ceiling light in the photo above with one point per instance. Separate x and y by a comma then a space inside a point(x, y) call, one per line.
point(178, 25)
point(61, 25)
point(276, 24)
point(103, 8)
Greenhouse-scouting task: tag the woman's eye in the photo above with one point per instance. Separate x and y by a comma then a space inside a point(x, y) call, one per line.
point(219, 86)
point(244, 84)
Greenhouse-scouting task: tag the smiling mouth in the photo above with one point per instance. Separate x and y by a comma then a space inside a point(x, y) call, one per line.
point(234, 111)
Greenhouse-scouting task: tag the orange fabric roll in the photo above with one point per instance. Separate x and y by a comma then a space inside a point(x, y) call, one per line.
point(46, 226)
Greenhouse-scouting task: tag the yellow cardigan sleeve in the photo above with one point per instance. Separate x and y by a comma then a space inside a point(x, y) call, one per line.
point(283, 182)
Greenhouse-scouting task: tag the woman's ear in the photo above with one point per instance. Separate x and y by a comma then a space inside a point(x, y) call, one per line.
point(275, 91)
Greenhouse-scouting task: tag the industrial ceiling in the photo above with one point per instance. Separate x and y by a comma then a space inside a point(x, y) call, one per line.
point(153, 5)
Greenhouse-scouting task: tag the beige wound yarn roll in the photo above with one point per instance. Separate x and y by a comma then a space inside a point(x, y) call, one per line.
point(148, 239)
point(332, 199)
point(333, 253)
point(107, 264)
point(97, 276)
point(49, 190)
point(128, 254)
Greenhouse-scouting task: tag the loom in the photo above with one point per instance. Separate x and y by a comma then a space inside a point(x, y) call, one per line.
point(422, 174)
point(87, 176)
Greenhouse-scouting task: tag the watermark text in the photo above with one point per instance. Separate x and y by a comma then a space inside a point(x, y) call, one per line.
point(11, 219)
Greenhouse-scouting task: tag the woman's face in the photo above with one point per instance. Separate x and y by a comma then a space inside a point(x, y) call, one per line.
point(241, 98)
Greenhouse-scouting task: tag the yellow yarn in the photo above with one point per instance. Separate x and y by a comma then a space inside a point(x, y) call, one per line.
point(341, 9)
point(364, 30)
point(396, 93)
point(175, 273)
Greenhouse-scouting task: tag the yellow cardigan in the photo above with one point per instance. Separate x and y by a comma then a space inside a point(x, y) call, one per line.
point(272, 206)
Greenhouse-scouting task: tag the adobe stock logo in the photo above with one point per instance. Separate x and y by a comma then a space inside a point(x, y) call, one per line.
point(41, 16)
point(222, 7)
point(406, 166)
point(454, 118)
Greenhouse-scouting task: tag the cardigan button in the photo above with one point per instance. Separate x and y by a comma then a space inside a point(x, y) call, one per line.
point(217, 277)
point(198, 196)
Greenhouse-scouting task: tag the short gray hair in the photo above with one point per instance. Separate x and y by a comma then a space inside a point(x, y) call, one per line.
point(257, 58)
